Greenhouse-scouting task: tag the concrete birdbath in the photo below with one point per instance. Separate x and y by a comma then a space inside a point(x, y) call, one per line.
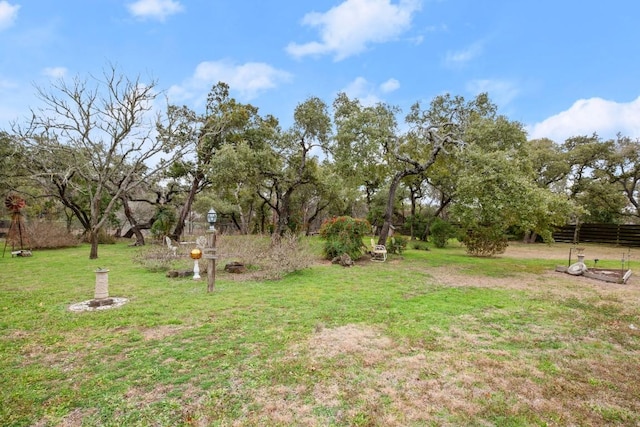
point(101, 299)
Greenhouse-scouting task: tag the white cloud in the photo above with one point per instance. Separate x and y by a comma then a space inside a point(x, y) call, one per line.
point(367, 93)
point(8, 14)
point(390, 86)
point(586, 116)
point(249, 79)
point(347, 29)
point(502, 92)
point(155, 9)
point(362, 90)
point(462, 57)
point(55, 72)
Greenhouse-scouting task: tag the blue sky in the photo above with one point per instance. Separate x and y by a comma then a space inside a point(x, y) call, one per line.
point(561, 67)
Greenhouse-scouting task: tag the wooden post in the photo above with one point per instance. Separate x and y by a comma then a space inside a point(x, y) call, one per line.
point(211, 259)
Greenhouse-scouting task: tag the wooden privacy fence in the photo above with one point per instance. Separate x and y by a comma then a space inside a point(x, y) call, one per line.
point(613, 234)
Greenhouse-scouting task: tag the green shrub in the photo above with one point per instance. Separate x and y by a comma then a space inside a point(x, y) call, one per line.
point(397, 244)
point(419, 245)
point(343, 235)
point(485, 241)
point(164, 219)
point(440, 232)
point(416, 225)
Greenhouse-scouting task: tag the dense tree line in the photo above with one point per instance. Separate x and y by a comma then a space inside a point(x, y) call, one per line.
point(94, 154)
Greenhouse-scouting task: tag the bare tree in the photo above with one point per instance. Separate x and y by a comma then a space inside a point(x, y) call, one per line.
point(93, 141)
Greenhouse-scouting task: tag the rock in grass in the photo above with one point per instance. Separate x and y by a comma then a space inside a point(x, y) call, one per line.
point(235, 267)
point(344, 260)
point(177, 273)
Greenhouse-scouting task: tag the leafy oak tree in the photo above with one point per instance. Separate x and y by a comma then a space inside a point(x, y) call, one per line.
point(235, 170)
point(438, 130)
point(293, 163)
point(498, 190)
point(623, 170)
point(224, 121)
point(358, 153)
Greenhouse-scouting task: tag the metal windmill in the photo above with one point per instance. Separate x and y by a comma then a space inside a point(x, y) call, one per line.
point(17, 234)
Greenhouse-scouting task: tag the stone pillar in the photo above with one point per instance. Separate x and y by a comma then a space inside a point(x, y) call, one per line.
point(196, 270)
point(102, 284)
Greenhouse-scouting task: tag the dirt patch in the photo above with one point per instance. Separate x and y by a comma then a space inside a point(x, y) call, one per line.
point(143, 397)
point(349, 339)
point(160, 332)
point(550, 284)
point(75, 418)
point(561, 251)
point(456, 277)
point(356, 352)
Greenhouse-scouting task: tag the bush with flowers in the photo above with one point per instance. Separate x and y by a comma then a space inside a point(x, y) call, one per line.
point(343, 235)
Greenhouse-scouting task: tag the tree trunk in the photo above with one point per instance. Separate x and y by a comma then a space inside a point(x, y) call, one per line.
point(413, 213)
point(313, 217)
point(135, 227)
point(93, 239)
point(388, 215)
point(186, 208)
point(243, 223)
point(283, 215)
point(263, 217)
point(235, 222)
point(69, 220)
point(94, 228)
point(246, 221)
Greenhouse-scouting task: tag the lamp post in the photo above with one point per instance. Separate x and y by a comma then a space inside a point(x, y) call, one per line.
point(210, 251)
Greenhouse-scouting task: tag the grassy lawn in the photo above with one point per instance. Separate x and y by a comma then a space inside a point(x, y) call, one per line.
point(430, 338)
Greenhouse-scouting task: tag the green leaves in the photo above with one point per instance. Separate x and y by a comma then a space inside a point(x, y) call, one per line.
point(497, 190)
point(344, 235)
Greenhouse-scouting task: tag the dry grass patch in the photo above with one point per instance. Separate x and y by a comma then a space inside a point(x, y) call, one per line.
point(160, 332)
point(74, 419)
point(580, 371)
point(356, 375)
